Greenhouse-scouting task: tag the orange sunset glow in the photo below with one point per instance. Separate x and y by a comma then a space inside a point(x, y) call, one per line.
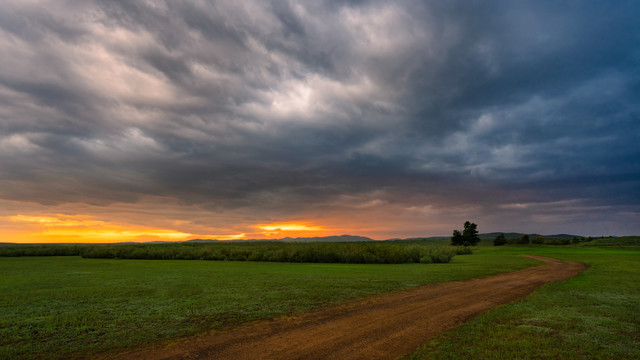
point(197, 178)
point(294, 230)
point(355, 118)
point(63, 228)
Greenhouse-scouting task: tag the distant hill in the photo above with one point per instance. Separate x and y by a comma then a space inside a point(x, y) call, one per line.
point(194, 240)
point(339, 238)
point(487, 236)
point(563, 236)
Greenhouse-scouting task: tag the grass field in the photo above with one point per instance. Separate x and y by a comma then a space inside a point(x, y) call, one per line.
point(70, 307)
point(591, 316)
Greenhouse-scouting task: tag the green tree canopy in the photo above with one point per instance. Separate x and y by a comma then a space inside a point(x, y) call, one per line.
point(457, 238)
point(468, 236)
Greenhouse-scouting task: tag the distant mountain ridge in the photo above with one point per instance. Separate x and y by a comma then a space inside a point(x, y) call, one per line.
point(513, 235)
point(336, 238)
point(491, 236)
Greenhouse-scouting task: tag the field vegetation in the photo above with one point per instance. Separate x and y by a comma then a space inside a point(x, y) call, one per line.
point(62, 307)
point(388, 252)
point(72, 307)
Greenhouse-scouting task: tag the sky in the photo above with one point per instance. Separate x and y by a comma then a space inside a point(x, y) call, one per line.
point(173, 120)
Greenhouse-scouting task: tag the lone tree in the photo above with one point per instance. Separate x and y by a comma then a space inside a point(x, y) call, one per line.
point(468, 236)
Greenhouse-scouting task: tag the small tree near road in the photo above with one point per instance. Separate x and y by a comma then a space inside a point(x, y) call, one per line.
point(499, 240)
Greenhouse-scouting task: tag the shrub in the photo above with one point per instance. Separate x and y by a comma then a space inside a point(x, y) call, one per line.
point(538, 240)
point(499, 240)
point(557, 241)
point(463, 250)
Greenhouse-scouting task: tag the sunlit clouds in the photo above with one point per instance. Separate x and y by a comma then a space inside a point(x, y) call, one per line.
point(294, 230)
point(78, 228)
point(164, 120)
point(57, 220)
point(85, 229)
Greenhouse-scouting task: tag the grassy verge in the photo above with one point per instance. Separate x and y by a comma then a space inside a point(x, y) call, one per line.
point(591, 316)
point(70, 307)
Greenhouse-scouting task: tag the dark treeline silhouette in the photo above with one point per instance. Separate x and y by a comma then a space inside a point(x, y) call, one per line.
point(525, 239)
point(42, 250)
point(351, 252)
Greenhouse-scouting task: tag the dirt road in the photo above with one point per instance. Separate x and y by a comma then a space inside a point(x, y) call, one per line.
point(380, 327)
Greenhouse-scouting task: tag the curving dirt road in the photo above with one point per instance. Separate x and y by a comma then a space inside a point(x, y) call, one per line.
point(380, 327)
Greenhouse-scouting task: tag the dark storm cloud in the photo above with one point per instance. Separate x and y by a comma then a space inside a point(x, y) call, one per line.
point(291, 105)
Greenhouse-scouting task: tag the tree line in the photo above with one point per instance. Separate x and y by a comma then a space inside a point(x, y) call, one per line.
point(525, 239)
point(355, 252)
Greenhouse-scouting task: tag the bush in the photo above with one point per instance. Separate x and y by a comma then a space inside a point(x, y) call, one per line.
point(537, 240)
point(499, 240)
point(557, 241)
point(463, 250)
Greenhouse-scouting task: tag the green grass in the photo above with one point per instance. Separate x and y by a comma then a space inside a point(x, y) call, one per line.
point(591, 316)
point(626, 241)
point(70, 307)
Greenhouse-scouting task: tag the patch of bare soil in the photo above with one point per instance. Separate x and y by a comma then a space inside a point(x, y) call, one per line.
point(380, 327)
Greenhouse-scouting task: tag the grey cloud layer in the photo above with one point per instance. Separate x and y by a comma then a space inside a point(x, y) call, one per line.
point(286, 105)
